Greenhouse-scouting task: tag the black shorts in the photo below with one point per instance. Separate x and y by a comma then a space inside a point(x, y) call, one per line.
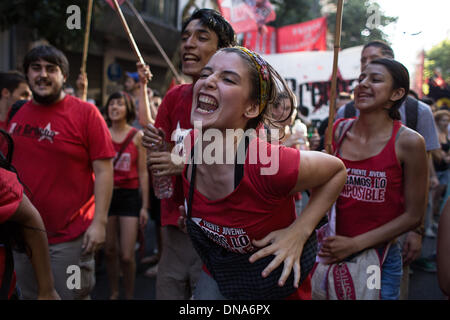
point(125, 202)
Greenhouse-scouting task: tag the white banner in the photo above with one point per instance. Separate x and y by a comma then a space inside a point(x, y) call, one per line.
point(309, 74)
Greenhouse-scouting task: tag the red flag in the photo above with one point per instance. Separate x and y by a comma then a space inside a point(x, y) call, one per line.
point(110, 2)
point(246, 15)
point(306, 36)
point(263, 42)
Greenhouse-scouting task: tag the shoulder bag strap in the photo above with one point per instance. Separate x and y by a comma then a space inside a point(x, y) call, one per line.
point(343, 128)
point(238, 175)
point(411, 112)
point(15, 107)
point(130, 137)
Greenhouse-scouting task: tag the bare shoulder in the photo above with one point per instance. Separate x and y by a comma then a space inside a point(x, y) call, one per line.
point(138, 137)
point(409, 143)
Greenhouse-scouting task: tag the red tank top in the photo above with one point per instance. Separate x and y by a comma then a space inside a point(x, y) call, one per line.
point(373, 193)
point(125, 170)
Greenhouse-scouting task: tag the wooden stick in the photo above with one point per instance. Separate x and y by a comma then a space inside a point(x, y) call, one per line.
point(155, 41)
point(86, 46)
point(128, 32)
point(337, 46)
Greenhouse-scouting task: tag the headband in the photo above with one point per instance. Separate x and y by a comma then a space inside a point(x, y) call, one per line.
point(264, 76)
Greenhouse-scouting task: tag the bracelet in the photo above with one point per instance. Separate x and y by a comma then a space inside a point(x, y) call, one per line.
point(420, 230)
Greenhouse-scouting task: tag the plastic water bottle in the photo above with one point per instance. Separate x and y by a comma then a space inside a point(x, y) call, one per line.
point(162, 186)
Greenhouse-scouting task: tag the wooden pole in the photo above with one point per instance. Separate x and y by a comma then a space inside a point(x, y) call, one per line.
point(155, 41)
point(337, 46)
point(128, 32)
point(86, 46)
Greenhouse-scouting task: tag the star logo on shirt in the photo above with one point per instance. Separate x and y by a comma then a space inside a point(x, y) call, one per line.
point(47, 133)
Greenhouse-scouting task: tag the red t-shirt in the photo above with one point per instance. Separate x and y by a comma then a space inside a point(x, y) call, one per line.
point(3, 124)
point(174, 117)
point(259, 205)
point(54, 149)
point(11, 194)
point(373, 193)
point(126, 169)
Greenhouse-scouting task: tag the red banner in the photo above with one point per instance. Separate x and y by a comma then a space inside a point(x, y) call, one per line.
point(110, 2)
point(246, 15)
point(261, 42)
point(306, 36)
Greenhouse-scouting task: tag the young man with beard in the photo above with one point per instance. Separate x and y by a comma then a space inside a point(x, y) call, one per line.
point(202, 35)
point(61, 144)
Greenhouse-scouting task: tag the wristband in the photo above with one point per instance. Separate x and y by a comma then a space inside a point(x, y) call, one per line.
point(420, 231)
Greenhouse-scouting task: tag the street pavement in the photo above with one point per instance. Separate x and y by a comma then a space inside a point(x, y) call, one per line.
point(423, 285)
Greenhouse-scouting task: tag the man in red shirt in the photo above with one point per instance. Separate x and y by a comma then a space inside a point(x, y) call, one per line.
point(62, 143)
point(202, 35)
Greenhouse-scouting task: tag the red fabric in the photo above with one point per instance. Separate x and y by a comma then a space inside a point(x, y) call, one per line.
point(263, 42)
point(11, 194)
point(174, 117)
point(304, 292)
point(244, 16)
point(373, 193)
point(3, 124)
point(306, 36)
point(126, 169)
point(54, 149)
point(110, 2)
point(260, 204)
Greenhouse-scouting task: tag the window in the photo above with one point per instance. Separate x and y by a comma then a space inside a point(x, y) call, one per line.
point(165, 11)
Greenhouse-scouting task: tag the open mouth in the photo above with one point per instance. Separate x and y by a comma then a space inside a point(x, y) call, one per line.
point(43, 84)
point(206, 104)
point(190, 58)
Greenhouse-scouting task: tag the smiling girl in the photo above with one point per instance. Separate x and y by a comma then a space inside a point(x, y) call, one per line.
point(386, 188)
point(240, 210)
point(127, 211)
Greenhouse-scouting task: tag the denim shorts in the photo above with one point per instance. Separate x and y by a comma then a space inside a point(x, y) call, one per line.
point(391, 273)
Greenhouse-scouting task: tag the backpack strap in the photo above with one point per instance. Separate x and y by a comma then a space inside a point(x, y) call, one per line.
point(239, 166)
point(350, 110)
point(15, 107)
point(411, 112)
point(343, 127)
point(8, 272)
point(127, 141)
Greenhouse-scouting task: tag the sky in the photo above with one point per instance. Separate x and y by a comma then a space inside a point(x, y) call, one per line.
point(429, 18)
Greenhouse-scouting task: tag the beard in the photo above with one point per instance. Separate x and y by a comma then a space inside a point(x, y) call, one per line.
point(47, 99)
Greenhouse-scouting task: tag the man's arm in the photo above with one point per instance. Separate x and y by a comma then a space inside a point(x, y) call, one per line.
point(95, 234)
point(35, 238)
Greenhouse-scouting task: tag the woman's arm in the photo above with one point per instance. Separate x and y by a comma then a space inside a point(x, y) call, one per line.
point(325, 176)
point(36, 240)
point(143, 179)
point(410, 149)
point(443, 250)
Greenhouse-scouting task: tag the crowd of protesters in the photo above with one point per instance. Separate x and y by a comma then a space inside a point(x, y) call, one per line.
point(76, 179)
